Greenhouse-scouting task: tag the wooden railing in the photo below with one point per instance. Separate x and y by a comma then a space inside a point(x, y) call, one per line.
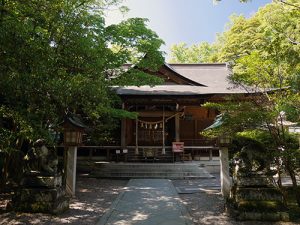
point(208, 152)
point(199, 142)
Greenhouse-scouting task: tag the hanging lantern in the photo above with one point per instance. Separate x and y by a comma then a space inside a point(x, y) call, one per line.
point(146, 125)
point(161, 125)
point(150, 126)
point(155, 127)
point(142, 124)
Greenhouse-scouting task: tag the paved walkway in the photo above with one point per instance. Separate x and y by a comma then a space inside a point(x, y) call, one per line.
point(147, 202)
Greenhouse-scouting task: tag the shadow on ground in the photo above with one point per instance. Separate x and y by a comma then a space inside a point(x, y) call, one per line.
point(93, 198)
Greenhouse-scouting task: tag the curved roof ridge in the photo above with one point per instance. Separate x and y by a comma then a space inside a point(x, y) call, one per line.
point(190, 64)
point(182, 76)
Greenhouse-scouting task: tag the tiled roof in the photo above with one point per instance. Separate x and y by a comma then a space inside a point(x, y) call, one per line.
point(214, 76)
point(182, 90)
point(211, 75)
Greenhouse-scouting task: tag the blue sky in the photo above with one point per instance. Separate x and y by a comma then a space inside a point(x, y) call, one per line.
point(190, 21)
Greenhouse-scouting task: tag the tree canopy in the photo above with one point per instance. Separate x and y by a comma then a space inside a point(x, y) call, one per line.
point(58, 56)
point(196, 53)
point(264, 55)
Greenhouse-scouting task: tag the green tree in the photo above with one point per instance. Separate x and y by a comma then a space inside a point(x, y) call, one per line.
point(196, 53)
point(59, 56)
point(266, 62)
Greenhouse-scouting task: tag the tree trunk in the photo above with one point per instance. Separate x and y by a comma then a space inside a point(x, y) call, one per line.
point(294, 181)
point(4, 172)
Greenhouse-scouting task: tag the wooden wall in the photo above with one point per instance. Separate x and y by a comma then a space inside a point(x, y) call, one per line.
point(195, 120)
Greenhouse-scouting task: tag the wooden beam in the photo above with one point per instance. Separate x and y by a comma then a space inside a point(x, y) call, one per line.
point(155, 113)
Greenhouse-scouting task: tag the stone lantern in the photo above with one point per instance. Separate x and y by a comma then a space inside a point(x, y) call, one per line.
point(224, 142)
point(73, 131)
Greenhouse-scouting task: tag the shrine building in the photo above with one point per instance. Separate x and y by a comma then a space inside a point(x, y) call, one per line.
point(171, 116)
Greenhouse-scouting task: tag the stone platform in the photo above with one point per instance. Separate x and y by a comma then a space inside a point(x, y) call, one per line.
point(40, 193)
point(254, 197)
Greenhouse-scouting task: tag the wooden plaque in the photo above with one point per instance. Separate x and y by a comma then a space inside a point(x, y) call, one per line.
point(177, 146)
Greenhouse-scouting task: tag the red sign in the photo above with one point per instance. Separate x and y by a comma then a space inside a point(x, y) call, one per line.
point(177, 146)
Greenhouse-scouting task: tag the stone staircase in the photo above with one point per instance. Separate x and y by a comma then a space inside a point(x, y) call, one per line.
point(149, 170)
point(150, 155)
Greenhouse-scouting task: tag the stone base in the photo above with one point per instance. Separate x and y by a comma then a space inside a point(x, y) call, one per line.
point(38, 194)
point(258, 194)
point(259, 216)
point(254, 197)
point(254, 181)
point(42, 181)
point(51, 201)
point(53, 207)
point(260, 206)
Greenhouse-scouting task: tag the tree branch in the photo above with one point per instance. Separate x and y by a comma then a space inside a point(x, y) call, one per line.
point(294, 42)
point(289, 4)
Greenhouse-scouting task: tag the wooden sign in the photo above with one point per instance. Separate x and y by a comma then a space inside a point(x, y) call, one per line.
point(177, 146)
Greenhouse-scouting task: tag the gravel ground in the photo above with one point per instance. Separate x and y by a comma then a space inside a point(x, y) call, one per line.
point(208, 207)
point(94, 197)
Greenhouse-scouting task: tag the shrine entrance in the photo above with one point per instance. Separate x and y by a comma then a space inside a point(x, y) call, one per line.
point(157, 126)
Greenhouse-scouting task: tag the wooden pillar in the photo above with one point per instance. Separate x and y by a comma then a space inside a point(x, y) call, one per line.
point(210, 154)
point(163, 152)
point(108, 154)
point(71, 170)
point(177, 124)
point(91, 154)
point(224, 172)
point(123, 130)
point(195, 131)
point(136, 136)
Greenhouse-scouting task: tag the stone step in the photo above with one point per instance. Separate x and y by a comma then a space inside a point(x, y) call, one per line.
point(107, 170)
point(143, 173)
point(152, 170)
point(150, 165)
point(147, 175)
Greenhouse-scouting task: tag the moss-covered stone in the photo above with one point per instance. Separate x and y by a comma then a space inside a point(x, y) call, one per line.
point(260, 206)
point(270, 216)
point(258, 193)
point(53, 207)
point(42, 181)
point(256, 198)
point(42, 194)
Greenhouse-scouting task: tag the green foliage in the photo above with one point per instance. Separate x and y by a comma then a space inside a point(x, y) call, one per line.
point(13, 128)
point(261, 136)
point(58, 56)
point(239, 115)
point(197, 53)
point(264, 61)
point(264, 54)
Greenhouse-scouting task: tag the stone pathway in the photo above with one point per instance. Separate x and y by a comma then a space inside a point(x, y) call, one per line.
point(147, 202)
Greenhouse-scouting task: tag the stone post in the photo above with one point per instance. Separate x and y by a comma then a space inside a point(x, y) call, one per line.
point(224, 172)
point(71, 170)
